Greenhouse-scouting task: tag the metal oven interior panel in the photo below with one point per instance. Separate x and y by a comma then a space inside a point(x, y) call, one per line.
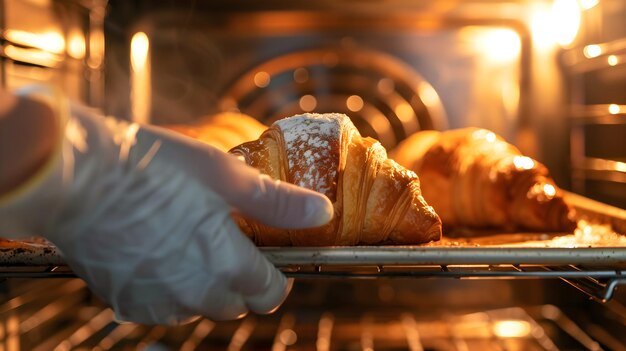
point(596, 77)
point(413, 67)
point(57, 43)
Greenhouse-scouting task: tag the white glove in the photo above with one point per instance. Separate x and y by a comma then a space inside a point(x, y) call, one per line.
point(143, 215)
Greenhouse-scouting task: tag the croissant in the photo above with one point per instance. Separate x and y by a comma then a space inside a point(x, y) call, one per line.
point(376, 201)
point(223, 130)
point(473, 178)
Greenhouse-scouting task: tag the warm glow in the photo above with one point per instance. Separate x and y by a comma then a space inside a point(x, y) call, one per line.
point(404, 111)
point(50, 41)
point(139, 47)
point(614, 109)
point(523, 162)
point(429, 96)
point(542, 28)
point(141, 99)
point(511, 329)
point(381, 125)
point(39, 57)
point(76, 45)
point(591, 51)
point(354, 103)
point(559, 24)
point(566, 15)
point(588, 4)
point(499, 45)
point(308, 103)
point(262, 79)
point(324, 331)
point(549, 190)
point(612, 60)
point(96, 49)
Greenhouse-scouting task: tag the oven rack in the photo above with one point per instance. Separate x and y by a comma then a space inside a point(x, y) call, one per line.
point(599, 283)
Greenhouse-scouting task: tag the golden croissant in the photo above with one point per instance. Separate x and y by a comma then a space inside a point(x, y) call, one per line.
point(223, 130)
point(473, 178)
point(376, 201)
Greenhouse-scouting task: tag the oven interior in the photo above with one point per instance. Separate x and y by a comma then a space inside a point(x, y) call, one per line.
point(395, 67)
point(333, 314)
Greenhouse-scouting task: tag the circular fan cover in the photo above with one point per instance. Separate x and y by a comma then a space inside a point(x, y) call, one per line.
point(385, 98)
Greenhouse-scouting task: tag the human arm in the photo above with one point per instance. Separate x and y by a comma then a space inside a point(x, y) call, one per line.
point(143, 215)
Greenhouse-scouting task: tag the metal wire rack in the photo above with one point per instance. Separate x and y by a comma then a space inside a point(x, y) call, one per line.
point(598, 283)
point(594, 269)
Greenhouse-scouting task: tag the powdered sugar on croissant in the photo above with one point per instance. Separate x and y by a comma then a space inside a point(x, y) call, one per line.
point(312, 144)
point(376, 200)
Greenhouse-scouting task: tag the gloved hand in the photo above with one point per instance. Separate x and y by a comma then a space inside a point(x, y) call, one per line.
point(143, 216)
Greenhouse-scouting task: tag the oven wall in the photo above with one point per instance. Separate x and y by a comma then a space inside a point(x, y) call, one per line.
point(595, 74)
point(200, 51)
point(551, 101)
point(55, 43)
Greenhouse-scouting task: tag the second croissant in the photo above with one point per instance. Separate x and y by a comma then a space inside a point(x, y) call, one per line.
point(474, 178)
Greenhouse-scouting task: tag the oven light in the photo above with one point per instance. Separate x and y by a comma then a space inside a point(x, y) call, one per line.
point(39, 57)
point(500, 45)
point(139, 46)
point(612, 60)
point(591, 51)
point(614, 109)
point(588, 4)
point(511, 329)
point(96, 49)
point(50, 41)
point(76, 45)
point(566, 14)
point(141, 99)
point(559, 24)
